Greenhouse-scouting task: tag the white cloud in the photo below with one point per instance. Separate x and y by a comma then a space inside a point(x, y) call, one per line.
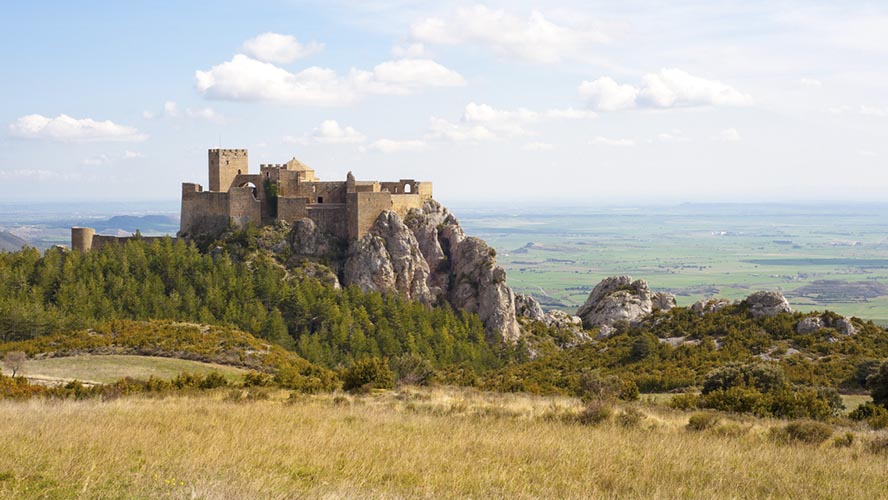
point(40, 174)
point(534, 38)
point(417, 73)
point(728, 135)
point(605, 141)
point(410, 51)
point(512, 122)
point(669, 88)
point(606, 94)
point(810, 82)
point(64, 128)
point(673, 136)
point(171, 110)
point(865, 110)
point(329, 132)
point(442, 129)
point(280, 49)
point(874, 111)
point(106, 159)
point(538, 146)
point(867, 153)
point(246, 79)
point(397, 146)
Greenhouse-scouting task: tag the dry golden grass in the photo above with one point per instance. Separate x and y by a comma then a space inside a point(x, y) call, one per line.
point(439, 443)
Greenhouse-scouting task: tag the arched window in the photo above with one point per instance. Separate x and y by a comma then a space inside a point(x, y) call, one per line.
point(408, 188)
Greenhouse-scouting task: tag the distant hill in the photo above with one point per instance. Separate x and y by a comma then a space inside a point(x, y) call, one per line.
point(10, 242)
point(147, 224)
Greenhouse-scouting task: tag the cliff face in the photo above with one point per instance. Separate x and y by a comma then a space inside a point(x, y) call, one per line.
point(428, 258)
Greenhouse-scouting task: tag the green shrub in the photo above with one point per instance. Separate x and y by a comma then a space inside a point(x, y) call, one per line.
point(684, 401)
point(213, 380)
point(629, 391)
point(593, 386)
point(412, 369)
point(878, 445)
point(764, 377)
point(878, 385)
point(257, 379)
point(803, 431)
point(702, 421)
point(596, 412)
point(844, 441)
point(630, 417)
point(368, 373)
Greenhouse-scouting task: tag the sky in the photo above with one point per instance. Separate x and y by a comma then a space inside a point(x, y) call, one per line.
point(515, 102)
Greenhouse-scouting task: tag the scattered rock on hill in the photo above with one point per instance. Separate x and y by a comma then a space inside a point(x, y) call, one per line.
point(709, 306)
point(614, 299)
point(662, 301)
point(767, 304)
point(843, 326)
point(528, 307)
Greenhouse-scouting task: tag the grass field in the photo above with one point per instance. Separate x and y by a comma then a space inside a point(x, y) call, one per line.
point(110, 368)
point(440, 443)
point(821, 257)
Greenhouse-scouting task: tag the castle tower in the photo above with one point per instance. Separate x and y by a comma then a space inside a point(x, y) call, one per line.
point(225, 165)
point(82, 238)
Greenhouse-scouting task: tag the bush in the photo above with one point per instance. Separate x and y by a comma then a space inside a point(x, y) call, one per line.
point(875, 416)
point(803, 431)
point(412, 369)
point(844, 441)
point(878, 445)
point(878, 385)
point(630, 417)
point(629, 391)
point(368, 373)
point(593, 386)
point(596, 412)
point(685, 401)
point(257, 379)
point(764, 377)
point(702, 421)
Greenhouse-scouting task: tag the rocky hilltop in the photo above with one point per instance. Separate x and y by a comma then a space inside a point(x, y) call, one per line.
point(425, 257)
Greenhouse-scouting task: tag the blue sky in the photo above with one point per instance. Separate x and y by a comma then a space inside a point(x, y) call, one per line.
point(598, 102)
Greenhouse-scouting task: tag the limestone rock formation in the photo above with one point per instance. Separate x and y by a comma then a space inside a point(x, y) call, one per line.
point(427, 257)
point(388, 259)
point(306, 240)
point(709, 306)
point(767, 304)
point(615, 299)
point(478, 285)
point(662, 301)
point(528, 307)
point(843, 326)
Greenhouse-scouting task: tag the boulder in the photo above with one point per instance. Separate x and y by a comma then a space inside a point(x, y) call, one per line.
point(844, 326)
point(662, 301)
point(614, 299)
point(306, 240)
point(528, 307)
point(709, 306)
point(767, 304)
point(809, 325)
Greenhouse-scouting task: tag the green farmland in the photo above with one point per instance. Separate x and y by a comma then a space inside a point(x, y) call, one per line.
point(820, 256)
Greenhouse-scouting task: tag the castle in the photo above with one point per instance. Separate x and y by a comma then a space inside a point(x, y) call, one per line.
point(279, 192)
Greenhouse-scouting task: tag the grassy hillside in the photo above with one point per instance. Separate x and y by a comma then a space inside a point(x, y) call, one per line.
point(411, 444)
point(111, 368)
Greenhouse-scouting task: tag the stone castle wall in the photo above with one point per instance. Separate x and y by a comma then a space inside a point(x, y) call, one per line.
point(225, 165)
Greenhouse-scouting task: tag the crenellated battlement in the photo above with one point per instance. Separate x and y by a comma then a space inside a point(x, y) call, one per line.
point(288, 192)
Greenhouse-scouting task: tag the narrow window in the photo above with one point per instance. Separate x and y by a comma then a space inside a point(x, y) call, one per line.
point(320, 199)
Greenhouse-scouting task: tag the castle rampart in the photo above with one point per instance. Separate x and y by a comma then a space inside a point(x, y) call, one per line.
point(290, 191)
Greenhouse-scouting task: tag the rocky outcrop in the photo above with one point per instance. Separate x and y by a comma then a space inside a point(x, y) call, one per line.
point(388, 259)
point(306, 240)
point(709, 306)
point(528, 307)
point(767, 304)
point(615, 299)
point(842, 326)
point(662, 301)
point(427, 257)
point(478, 285)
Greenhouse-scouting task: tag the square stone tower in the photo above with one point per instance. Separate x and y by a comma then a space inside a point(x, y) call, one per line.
point(225, 165)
